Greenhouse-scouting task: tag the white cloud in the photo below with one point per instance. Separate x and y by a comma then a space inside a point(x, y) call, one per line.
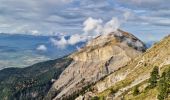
point(61, 43)
point(76, 38)
point(92, 24)
point(94, 27)
point(35, 32)
point(41, 48)
point(111, 26)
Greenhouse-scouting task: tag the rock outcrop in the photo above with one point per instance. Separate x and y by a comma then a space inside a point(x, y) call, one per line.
point(100, 57)
point(117, 84)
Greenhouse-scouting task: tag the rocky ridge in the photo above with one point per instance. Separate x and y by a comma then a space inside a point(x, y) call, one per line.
point(134, 73)
point(100, 57)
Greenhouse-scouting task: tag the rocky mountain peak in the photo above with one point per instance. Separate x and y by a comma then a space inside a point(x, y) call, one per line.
point(117, 37)
point(102, 45)
point(101, 56)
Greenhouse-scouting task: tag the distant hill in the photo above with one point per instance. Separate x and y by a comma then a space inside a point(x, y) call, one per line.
point(30, 83)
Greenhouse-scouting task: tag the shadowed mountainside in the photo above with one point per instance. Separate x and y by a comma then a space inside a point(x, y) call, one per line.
point(30, 83)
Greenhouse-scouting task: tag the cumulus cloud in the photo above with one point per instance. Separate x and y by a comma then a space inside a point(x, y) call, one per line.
point(91, 28)
point(94, 27)
point(41, 48)
point(61, 43)
point(111, 26)
point(72, 40)
point(76, 38)
point(91, 25)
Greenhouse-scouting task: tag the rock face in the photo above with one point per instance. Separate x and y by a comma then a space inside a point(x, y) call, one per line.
point(101, 56)
point(136, 72)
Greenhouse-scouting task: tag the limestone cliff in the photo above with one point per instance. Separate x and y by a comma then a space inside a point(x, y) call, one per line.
point(100, 57)
point(119, 84)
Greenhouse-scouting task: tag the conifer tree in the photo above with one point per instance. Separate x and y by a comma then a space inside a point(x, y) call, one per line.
point(154, 77)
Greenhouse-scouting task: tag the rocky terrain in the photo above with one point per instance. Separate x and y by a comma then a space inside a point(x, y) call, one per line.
point(100, 57)
point(119, 85)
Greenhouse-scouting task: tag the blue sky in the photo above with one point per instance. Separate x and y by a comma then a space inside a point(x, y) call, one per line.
point(147, 19)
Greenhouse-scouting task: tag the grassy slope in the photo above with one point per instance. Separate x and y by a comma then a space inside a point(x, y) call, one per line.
point(145, 94)
point(31, 82)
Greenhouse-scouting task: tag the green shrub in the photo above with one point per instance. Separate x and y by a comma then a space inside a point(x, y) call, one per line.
point(163, 85)
point(95, 98)
point(112, 91)
point(98, 98)
point(135, 91)
point(154, 76)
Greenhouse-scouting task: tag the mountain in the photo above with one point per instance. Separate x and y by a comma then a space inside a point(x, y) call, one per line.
point(120, 84)
point(115, 66)
point(100, 57)
point(30, 83)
